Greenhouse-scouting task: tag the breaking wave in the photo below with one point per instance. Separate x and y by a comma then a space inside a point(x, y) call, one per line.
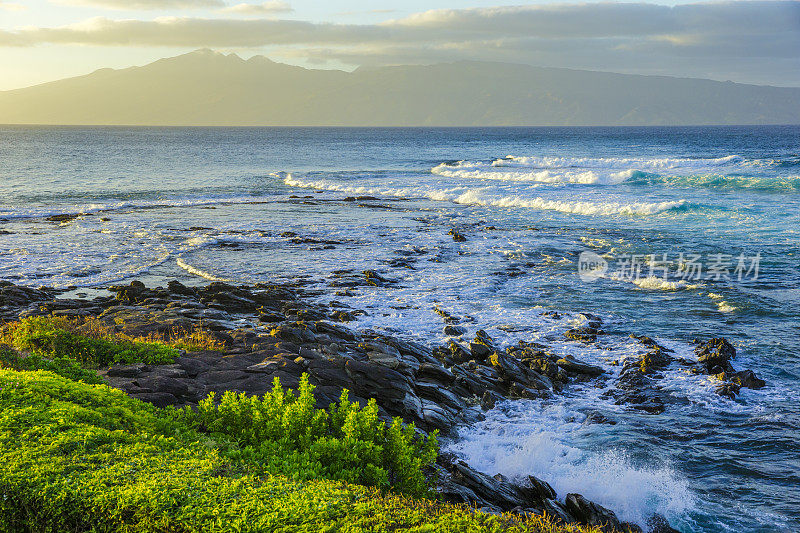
point(731, 171)
point(484, 197)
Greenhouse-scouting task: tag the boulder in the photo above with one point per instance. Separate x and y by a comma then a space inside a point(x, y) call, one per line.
point(572, 365)
point(715, 355)
point(127, 371)
point(653, 360)
point(582, 334)
point(659, 524)
point(747, 379)
point(591, 514)
point(454, 331)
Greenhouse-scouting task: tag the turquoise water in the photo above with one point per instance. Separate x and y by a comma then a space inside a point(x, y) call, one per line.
point(204, 204)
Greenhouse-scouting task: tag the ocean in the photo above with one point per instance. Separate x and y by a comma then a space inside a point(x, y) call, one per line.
point(674, 233)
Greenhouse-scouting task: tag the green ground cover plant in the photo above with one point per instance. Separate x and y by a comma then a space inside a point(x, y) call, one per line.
point(83, 457)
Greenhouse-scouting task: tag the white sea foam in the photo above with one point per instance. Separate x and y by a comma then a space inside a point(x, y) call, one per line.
point(542, 440)
point(198, 272)
point(727, 171)
point(660, 284)
point(490, 172)
point(28, 212)
point(489, 197)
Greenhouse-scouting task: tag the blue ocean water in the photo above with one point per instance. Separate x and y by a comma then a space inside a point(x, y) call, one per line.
point(200, 204)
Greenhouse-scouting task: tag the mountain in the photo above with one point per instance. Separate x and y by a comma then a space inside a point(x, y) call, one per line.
point(206, 88)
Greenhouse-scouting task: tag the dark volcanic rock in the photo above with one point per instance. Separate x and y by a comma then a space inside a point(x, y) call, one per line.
point(454, 331)
point(748, 379)
point(716, 354)
point(592, 514)
point(572, 365)
point(457, 237)
point(583, 334)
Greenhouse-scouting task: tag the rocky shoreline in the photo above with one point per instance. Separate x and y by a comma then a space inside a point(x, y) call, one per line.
point(268, 331)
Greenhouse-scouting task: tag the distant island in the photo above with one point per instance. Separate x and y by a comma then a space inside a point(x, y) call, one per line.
point(207, 88)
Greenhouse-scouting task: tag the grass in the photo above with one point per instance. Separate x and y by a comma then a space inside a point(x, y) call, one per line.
point(82, 457)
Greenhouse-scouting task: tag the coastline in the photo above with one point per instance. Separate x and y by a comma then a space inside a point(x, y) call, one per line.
point(268, 331)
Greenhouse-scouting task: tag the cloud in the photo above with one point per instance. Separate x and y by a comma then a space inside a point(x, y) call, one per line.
point(720, 39)
point(133, 5)
point(199, 32)
point(12, 6)
point(265, 8)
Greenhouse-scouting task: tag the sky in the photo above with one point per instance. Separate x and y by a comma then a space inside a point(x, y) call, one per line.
point(739, 40)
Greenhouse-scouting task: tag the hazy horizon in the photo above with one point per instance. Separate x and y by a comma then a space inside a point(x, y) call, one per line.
point(316, 68)
point(206, 88)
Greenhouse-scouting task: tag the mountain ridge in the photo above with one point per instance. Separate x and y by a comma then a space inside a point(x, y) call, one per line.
point(207, 88)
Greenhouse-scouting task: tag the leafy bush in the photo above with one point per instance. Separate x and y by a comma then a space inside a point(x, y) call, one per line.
point(79, 457)
point(286, 433)
point(61, 337)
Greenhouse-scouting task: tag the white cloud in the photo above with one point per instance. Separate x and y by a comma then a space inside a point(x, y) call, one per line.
point(12, 6)
point(265, 8)
point(722, 39)
point(134, 5)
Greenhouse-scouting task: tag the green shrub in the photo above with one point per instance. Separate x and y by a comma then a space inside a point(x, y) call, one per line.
point(56, 337)
point(62, 366)
point(286, 434)
point(79, 457)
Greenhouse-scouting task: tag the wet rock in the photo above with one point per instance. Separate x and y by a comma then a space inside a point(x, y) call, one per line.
point(537, 491)
point(271, 317)
point(488, 490)
point(596, 417)
point(457, 237)
point(572, 365)
point(655, 359)
point(335, 330)
point(747, 379)
point(14, 296)
point(554, 508)
point(453, 353)
point(66, 217)
point(450, 319)
point(582, 334)
point(591, 514)
point(489, 400)
point(728, 390)
point(650, 343)
point(715, 355)
point(435, 373)
point(482, 346)
point(659, 524)
point(454, 331)
point(176, 287)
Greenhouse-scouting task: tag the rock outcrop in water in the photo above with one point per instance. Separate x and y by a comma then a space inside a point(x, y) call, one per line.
point(270, 331)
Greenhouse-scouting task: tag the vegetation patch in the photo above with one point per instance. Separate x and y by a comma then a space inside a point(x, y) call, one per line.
point(83, 342)
point(63, 366)
point(284, 432)
point(81, 457)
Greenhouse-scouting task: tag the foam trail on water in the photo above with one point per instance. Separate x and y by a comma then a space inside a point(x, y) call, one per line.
point(198, 272)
